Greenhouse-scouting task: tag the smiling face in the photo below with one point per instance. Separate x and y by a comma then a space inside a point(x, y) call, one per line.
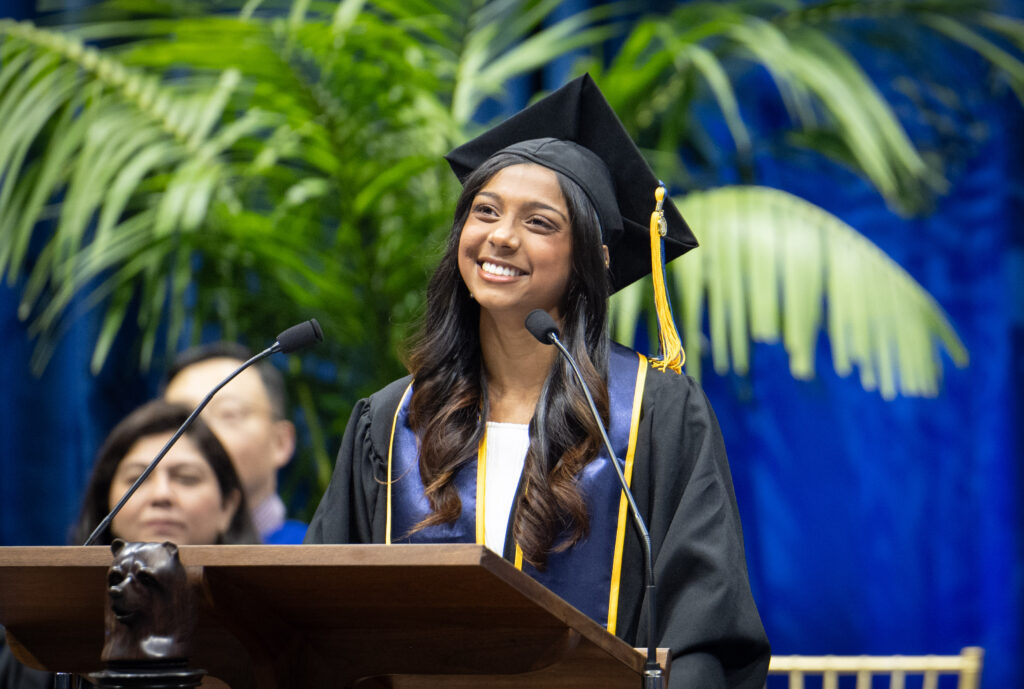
point(515, 248)
point(180, 501)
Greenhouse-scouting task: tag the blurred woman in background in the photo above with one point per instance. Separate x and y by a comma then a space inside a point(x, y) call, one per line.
point(193, 497)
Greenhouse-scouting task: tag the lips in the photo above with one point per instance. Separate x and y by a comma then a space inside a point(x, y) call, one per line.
point(163, 526)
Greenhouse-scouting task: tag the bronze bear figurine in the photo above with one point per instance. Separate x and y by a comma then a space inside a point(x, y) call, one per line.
point(150, 615)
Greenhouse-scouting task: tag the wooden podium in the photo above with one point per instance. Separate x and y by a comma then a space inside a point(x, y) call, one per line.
point(367, 616)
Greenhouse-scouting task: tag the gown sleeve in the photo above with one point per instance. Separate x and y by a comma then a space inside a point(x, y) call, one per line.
point(353, 509)
point(705, 610)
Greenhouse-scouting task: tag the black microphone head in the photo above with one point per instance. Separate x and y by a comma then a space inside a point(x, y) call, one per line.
point(299, 336)
point(542, 326)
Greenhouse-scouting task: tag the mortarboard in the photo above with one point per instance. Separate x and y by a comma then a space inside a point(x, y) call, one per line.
point(575, 132)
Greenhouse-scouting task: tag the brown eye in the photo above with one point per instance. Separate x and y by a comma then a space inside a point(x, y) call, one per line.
point(542, 223)
point(188, 479)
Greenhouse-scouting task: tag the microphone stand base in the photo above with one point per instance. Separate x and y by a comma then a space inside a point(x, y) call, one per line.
point(148, 675)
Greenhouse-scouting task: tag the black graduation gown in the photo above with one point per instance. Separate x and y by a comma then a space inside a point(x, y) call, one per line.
point(682, 485)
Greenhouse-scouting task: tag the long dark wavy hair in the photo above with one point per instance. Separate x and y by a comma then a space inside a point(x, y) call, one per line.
point(154, 418)
point(449, 403)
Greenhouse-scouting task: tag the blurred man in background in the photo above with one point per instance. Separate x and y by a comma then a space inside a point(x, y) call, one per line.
point(248, 417)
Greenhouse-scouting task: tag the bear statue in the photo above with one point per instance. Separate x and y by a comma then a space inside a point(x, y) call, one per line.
point(150, 614)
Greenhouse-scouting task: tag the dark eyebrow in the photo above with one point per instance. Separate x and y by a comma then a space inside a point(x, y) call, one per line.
point(490, 194)
point(132, 463)
point(529, 206)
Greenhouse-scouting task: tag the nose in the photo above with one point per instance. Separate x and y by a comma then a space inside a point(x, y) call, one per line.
point(503, 235)
point(157, 488)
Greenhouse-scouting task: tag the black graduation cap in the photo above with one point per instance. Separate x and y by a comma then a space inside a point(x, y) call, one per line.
point(574, 131)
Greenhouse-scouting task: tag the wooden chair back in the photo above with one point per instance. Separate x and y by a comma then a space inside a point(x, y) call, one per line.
point(966, 666)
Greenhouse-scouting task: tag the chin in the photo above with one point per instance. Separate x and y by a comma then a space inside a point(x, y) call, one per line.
point(176, 537)
point(515, 307)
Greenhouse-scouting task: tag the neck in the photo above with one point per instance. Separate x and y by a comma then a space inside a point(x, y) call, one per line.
point(257, 496)
point(517, 366)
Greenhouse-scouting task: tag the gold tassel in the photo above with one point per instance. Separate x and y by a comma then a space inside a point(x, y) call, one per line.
point(672, 354)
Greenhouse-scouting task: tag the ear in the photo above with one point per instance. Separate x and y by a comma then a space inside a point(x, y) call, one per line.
point(116, 546)
point(171, 548)
point(607, 256)
point(283, 442)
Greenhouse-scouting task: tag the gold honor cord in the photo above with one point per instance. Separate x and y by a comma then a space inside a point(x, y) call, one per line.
point(391, 450)
point(481, 487)
point(672, 355)
point(519, 551)
point(620, 530)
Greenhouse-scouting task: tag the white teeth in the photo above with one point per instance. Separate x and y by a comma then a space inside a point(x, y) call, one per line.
point(494, 269)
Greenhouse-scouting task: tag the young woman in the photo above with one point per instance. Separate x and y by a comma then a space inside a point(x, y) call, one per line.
point(193, 497)
point(491, 440)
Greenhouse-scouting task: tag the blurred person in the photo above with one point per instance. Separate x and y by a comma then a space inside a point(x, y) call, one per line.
point(193, 497)
point(249, 417)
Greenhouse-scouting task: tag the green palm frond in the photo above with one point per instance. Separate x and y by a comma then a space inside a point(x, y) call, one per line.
point(976, 26)
point(655, 79)
point(215, 125)
point(975, 39)
point(84, 127)
point(143, 161)
point(506, 45)
point(772, 267)
point(478, 46)
point(698, 54)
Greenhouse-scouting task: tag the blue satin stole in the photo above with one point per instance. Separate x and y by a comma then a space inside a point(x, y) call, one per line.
point(586, 575)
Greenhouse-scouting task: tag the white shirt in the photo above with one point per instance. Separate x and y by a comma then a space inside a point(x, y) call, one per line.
point(507, 444)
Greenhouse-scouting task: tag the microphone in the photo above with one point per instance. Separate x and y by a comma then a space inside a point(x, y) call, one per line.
point(298, 337)
point(292, 339)
point(543, 327)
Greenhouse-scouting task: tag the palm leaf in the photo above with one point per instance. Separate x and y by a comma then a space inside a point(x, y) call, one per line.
point(768, 265)
point(101, 130)
point(819, 83)
point(1008, 63)
point(482, 45)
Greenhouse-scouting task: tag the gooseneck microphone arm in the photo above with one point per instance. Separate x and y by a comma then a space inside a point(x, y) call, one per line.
point(294, 338)
point(542, 326)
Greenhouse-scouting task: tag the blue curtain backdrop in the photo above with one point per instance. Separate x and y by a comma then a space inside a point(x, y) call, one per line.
point(895, 527)
point(871, 526)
